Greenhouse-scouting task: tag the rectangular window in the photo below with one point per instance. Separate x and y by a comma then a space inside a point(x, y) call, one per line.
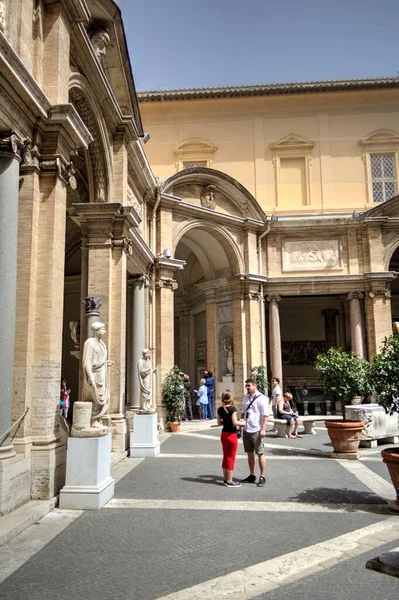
point(194, 163)
point(292, 177)
point(383, 176)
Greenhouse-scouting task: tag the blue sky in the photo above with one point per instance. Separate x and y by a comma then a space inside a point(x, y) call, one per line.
point(201, 43)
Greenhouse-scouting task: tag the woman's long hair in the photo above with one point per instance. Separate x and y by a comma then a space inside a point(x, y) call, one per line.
point(227, 400)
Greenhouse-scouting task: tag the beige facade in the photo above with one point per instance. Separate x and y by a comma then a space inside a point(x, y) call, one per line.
point(259, 245)
point(296, 251)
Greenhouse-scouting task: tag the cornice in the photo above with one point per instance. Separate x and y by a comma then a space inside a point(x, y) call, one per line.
point(23, 83)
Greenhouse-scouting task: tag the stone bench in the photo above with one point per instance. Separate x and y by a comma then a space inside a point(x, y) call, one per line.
point(307, 421)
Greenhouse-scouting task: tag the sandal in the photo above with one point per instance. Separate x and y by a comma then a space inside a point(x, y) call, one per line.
point(299, 436)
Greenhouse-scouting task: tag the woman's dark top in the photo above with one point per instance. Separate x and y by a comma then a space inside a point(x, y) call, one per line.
point(226, 417)
point(286, 406)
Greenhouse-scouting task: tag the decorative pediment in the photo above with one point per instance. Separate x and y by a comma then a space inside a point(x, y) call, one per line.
point(194, 150)
point(292, 141)
point(380, 137)
point(384, 210)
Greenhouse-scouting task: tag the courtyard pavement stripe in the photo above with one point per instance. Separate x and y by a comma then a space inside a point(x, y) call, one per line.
point(287, 507)
point(272, 574)
point(244, 457)
point(374, 482)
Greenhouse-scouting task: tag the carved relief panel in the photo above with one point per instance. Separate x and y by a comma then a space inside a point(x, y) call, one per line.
point(317, 255)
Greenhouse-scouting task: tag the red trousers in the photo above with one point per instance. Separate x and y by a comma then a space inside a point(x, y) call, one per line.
point(229, 445)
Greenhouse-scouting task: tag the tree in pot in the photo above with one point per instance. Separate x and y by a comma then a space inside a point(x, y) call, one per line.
point(344, 376)
point(259, 374)
point(173, 398)
point(385, 381)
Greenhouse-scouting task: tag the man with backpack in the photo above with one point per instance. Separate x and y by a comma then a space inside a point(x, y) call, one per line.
point(255, 412)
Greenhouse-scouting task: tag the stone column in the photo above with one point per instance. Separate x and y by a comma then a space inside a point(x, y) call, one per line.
point(92, 306)
point(138, 283)
point(357, 340)
point(275, 338)
point(10, 159)
point(330, 325)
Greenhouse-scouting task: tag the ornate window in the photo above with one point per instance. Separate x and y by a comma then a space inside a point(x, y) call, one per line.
point(194, 152)
point(380, 157)
point(292, 159)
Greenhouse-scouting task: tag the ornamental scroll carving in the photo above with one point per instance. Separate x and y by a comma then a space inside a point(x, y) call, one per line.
point(125, 243)
point(167, 283)
point(253, 296)
point(12, 144)
point(132, 201)
point(317, 255)
point(384, 293)
point(97, 162)
point(65, 170)
point(355, 296)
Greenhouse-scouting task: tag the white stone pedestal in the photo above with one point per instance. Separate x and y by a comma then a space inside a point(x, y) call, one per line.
point(88, 484)
point(145, 441)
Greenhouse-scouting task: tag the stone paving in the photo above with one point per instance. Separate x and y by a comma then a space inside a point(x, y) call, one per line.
point(174, 532)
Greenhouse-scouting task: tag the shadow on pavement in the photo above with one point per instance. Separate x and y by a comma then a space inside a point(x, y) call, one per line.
point(338, 496)
point(212, 479)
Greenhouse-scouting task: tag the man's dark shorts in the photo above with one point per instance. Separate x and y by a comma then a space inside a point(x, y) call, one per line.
point(253, 442)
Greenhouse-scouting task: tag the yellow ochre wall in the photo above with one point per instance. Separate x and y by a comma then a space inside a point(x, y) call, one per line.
point(242, 130)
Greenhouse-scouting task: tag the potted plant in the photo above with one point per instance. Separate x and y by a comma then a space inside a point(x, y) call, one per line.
point(385, 380)
point(173, 397)
point(259, 374)
point(344, 376)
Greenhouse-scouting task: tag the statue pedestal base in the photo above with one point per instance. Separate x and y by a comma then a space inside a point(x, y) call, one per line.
point(145, 441)
point(88, 484)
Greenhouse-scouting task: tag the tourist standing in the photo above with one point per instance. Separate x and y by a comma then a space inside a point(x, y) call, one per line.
point(277, 395)
point(202, 399)
point(255, 411)
point(187, 397)
point(64, 399)
point(227, 416)
point(210, 386)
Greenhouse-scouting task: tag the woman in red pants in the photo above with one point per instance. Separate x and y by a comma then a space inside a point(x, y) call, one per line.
point(227, 416)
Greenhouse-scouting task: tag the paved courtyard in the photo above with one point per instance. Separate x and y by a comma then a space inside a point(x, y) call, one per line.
point(173, 531)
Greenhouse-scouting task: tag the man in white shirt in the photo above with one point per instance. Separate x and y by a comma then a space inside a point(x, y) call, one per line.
point(277, 394)
point(255, 412)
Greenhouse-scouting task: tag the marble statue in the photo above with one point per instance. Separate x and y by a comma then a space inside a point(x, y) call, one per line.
point(95, 376)
point(145, 372)
point(228, 351)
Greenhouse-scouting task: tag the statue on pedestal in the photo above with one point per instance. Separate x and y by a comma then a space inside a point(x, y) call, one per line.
point(228, 351)
point(145, 372)
point(95, 381)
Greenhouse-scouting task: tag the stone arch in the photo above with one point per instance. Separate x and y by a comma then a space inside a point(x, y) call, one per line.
point(237, 194)
point(98, 154)
point(390, 250)
point(223, 237)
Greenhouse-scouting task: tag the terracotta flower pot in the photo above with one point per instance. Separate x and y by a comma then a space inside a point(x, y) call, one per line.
point(345, 435)
point(174, 426)
point(391, 459)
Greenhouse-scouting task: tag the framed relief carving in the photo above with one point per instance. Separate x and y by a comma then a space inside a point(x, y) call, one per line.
point(318, 255)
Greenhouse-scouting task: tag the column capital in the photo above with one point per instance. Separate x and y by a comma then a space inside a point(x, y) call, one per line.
point(355, 296)
point(167, 283)
point(384, 292)
point(61, 168)
point(92, 304)
point(20, 148)
point(135, 279)
point(253, 296)
point(273, 298)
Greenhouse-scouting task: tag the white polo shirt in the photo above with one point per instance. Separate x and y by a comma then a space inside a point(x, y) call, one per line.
point(276, 392)
point(259, 409)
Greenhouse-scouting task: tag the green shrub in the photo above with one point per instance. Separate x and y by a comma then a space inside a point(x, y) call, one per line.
point(385, 374)
point(173, 395)
point(259, 374)
point(343, 375)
